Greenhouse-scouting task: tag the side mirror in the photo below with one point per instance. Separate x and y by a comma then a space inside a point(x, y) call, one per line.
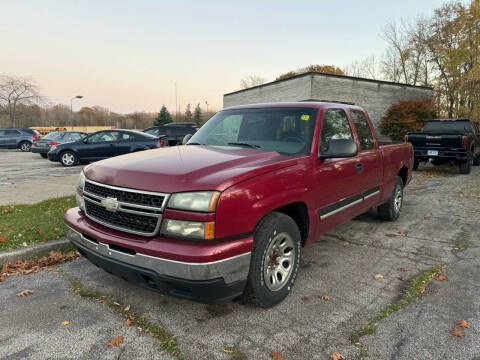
point(340, 148)
point(85, 140)
point(186, 138)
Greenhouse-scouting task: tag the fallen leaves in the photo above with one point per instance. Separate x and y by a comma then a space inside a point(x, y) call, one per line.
point(457, 332)
point(403, 269)
point(25, 292)
point(28, 266)
point(422, 289)
point(3, 238)
point(403, 278)
point(337, 356)
point(440, 277)
point(127, 309)
point(305, 298)
point(325, 297)
point(66, 322)
point(228, 351)
point(116, 341)
point(378, 276)
point(276, 356)
point(464, 324)
point(128, 322)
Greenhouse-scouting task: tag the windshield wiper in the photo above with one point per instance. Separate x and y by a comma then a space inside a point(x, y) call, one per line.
point(245, 144)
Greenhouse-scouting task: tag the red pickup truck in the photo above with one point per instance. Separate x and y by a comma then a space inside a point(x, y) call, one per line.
point(229, 213)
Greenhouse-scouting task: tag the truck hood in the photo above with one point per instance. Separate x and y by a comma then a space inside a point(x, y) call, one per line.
point(186, 168)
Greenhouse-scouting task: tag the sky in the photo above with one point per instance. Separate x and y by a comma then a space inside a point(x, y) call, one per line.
point(128, 55)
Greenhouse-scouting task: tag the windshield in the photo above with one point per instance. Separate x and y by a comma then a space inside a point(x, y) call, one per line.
point(285, 130)
point(445, 126)
point(54, 135)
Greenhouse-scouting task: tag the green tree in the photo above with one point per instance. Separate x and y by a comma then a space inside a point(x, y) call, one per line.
point(197, 115)
point(163, 117)
point(188, 114)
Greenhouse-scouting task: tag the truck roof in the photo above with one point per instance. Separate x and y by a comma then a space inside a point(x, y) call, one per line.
point(299, 104)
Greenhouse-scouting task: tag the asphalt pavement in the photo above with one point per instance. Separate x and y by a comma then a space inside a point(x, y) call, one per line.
point(439, 225)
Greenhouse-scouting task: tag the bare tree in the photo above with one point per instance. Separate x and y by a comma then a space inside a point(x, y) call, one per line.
point(251, 80)
point(15, 90)
point(366, 68)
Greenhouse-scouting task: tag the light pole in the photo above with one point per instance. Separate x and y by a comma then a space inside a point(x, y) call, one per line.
point(71, 108)
point(206, 114)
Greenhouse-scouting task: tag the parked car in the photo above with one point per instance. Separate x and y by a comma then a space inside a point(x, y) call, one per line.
point(102, 145)
point(18, 138)
point(174, 132)
point(42, 146)
point(229, 213)
point(447, 140)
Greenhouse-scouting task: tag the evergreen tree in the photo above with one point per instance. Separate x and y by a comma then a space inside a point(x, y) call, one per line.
point(188, 114)
point(163, 117)
point(197, 115)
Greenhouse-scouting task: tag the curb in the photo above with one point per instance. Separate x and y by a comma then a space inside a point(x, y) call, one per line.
point(35, 250)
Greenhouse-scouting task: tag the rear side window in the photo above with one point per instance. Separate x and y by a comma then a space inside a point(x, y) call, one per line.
point(335, 126)
point(75, 136)
point(365, 136)
point(12, 132)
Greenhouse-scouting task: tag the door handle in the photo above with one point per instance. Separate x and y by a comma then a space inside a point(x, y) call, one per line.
point(358, 167)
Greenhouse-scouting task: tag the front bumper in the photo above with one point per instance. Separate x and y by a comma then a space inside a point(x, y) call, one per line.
point(208, 282)
point(53, 156)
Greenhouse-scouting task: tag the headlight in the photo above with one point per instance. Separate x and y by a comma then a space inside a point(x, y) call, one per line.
point(81, 180)
point(195, 201)
point(189, 229)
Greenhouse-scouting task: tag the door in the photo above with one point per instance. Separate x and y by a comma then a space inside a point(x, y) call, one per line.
point(11, 138)
point(369, 160)
point(337, 195)
point(2, 138)
point(124, 144)
point(100, 145)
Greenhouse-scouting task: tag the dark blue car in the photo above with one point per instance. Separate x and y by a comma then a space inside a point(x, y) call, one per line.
point(18, 138)
point(102, 145)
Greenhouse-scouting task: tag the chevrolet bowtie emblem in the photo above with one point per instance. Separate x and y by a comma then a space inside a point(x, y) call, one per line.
point(110, 204)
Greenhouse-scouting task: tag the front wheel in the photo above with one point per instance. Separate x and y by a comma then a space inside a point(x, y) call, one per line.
point(390, 211)
point(68, 158)
point(275, 260)
point(25, 146)
point(415, 164)
point(466, 166)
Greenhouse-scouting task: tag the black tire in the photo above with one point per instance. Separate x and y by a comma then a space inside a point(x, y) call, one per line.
point(390, 211)
point(465, 167)
point(476, 160)
point(25, 146)
point(271, 232)
point(415, 164)
point(68, 158)
point(43, 156)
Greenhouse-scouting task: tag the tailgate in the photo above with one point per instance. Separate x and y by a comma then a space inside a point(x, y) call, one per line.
point(432, 140)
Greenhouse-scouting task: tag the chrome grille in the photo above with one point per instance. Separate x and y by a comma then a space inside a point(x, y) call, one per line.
point(134, 211)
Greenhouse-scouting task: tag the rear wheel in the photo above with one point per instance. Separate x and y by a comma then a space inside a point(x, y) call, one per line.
point(25, 146)
point(275, 260)
point(466, 166)
point(390, 211)
point(415, 164)
point(68, 158)
point(43, 156)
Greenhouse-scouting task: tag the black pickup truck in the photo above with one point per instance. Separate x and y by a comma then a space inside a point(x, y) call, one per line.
point(447, 140)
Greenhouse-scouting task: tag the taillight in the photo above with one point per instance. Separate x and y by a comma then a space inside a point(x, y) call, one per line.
point(53, 143)
point(161, 143)
point(35, 136)
point(464, 141)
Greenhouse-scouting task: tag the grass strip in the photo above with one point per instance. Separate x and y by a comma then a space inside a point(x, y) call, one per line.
point(21, 225)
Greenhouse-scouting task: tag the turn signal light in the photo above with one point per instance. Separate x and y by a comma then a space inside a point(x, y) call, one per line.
point(209, 231)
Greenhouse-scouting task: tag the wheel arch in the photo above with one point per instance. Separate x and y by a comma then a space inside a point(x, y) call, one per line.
point(298, 211)
point(403, 173)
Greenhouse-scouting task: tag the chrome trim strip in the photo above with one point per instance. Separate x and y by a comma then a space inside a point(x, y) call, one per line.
point(372, 194)
point(109, 225)
point(340, 209)
point(231, 269)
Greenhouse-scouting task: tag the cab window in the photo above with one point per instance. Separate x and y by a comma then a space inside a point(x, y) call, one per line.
point(365, 136)
point(335, 126)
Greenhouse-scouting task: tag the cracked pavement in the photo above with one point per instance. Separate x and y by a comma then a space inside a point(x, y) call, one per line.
point(440, 214)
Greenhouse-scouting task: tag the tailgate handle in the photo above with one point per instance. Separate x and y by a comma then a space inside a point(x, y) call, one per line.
point(358, 167)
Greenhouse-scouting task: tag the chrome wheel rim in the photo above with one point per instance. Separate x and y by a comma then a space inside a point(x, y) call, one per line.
point(278, 261)
point(25, 147)
point(68, 159)
point(397, 202)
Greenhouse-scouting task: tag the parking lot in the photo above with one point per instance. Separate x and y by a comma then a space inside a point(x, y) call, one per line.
point(26, 178)
point(346, 279)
